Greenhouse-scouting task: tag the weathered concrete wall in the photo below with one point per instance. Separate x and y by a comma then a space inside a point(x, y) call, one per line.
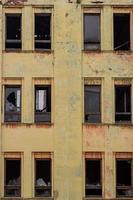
point(66, 65)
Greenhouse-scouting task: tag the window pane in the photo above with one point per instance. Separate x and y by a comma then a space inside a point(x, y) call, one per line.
point(92, 103)
point(121, 31)
point(92, 31)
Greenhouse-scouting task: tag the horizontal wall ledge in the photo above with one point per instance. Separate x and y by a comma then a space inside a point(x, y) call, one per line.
point(17, 198)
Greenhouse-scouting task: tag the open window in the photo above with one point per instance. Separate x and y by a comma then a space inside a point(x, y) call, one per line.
point(93, 184)
point(124, 178)
point(43, 186)
point(12, 103)
point(123, 103)
point(43, 31)
point(121, 31)
point(12, 186)
point(92, 31)
point(13, 31)
point(43, 103)
point(92, 103)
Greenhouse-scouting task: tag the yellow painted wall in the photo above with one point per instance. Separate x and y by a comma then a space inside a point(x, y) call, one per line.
point(66, 65)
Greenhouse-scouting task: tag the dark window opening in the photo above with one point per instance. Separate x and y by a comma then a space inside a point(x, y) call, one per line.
point(13, 31)
point(93, 186)
point(12, 104)
point(92, 103)
point(43, 178)
point(92, 31)
point(43, 103)
point(43, 31)
point(121, 31)
point(12, 178)
point(123, 103)
point(123, 178)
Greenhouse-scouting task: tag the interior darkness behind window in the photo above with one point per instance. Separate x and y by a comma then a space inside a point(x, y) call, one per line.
point(92, 103)
point(43, 178)
point(93, 178)
point(92, 31)
point(12, 103)
point(42, 31)
point(123, 103)
point(43, 103)
point(12, 178)
point(123, 178)
point(13, 31)
point(121, 31)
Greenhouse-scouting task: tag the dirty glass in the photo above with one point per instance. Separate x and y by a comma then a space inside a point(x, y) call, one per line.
point(93, 178)
point(123, 103)
point(43, 178)
point(92, 103)
point(43, 103)
point(12, 103)
point(42, 31)
point(12, 178)
point(121, 31)
point(123, 178)
point(92, 31)
point(13, 31)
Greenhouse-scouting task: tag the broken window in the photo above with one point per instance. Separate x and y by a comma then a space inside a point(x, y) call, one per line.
point(122, 103)
point(123, 178)
point(93, 185)
point(92, 31)
point(121, 31)
point(43, 103)
point(12, 104)
point(12, 178)
point(42, 31)
point(43, 178)
point(13, 31)
point(92, 103)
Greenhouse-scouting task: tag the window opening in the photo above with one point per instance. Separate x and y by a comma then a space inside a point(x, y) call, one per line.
point(13, 31)
point(92, 31)
point(42, 31)
point(121, 31)
point(43, 178)
point(12, 178)
point(92, 103)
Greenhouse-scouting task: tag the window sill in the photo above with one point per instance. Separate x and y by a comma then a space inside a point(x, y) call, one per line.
point(107, 124)
point(21, 198)
point(48, 51)
point(89, 198)
point(91, 51)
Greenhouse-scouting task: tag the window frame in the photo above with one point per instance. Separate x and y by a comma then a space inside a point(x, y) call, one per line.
point(44, 156)
point(124, 113)
point(19, 187)
point(11, 41)
point(44, 114)
point(19, 113)
point(99, 103)
point(95, 13)
point(100, 187)
point(46, 13)
point(123, 187)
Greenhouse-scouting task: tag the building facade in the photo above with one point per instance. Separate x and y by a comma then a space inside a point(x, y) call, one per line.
point(66, 77)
